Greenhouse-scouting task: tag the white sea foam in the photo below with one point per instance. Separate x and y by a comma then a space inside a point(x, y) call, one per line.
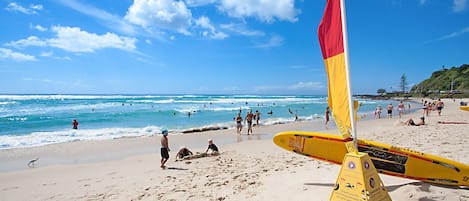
point(7, 102)
point(61, 108)
point(44, 138)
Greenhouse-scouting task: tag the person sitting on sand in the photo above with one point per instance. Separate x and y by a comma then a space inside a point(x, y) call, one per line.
point(212, 146)
point(411, 122)
point(183, 152)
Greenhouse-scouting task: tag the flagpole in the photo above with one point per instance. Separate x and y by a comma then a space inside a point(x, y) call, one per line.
point(347, 71)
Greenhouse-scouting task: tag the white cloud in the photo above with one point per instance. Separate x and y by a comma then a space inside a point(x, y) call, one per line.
point(73, 39)
point(264, 10)
point(306, 85)
point(300, 86)
point(160, 14)
point(459, 5)
point(112, 21)
point(273, 41)
point(36, 7)
point(66, 58)
point(40, 28)
point(241, 29)
point(15, 7)
point(16, 56)
point(204, 22)
point(196, 3)
point(455, 34)
point(47, 54)
point(30, 41)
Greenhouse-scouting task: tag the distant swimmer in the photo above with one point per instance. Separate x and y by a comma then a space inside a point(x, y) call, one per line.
point(75, 124)
point(270, 113)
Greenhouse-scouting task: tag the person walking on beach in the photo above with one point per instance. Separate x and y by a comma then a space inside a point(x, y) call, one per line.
point(239, 125)
point(390, 107)
point(75, 124)
point(249, 118)
point(378, 112)
point(439, 106)
point(328, 113)
point(257, 116)
point(164, 149)
point(401, 109)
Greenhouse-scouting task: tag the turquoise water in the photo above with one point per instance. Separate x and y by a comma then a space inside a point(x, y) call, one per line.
point(35, 120)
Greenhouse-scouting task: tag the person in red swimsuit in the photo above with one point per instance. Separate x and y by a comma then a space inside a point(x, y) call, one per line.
point(75, 124)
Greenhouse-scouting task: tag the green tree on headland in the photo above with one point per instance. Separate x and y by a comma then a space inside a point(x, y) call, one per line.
point(403, 84)
point(381, 91)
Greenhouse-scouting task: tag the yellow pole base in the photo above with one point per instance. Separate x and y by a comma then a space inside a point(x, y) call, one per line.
point(359, 180)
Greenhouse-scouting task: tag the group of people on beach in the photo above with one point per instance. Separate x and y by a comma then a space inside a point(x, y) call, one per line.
point(183, 152)
point(249, 118)
point(427, 107)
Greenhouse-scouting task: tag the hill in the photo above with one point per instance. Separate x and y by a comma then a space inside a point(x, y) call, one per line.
point(441, 81)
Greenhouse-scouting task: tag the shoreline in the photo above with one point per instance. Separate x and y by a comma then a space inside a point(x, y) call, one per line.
point(248, 168)
point(92, 151)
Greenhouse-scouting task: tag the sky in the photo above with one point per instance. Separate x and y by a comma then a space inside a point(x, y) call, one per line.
point(220, 46)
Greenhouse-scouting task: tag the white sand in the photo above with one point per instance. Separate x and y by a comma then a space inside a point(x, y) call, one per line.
point(249, 167)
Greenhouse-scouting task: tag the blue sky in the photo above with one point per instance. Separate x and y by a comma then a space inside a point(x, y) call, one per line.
point(220, 46)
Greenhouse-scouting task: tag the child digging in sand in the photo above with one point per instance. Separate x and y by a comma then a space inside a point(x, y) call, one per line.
point(211, 146)
point(183, 153)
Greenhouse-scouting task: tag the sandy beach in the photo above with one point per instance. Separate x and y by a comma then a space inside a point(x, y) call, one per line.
point(248, 168)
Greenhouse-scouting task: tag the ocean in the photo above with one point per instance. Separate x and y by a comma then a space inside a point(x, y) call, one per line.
point(37, 120)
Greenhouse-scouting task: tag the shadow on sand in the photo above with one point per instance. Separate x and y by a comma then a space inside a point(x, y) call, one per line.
point(176, 168)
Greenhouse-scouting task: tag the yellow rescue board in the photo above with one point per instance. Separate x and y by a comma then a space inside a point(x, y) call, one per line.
point(465, 108)
point(387, 159)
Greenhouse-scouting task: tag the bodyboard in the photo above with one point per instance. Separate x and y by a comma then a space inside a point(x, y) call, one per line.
point(387, 159)
point(465, 108)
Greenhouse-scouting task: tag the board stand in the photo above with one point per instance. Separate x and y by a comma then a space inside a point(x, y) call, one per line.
point(359, 180)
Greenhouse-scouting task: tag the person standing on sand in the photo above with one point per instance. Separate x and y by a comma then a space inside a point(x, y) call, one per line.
point(257, 117)
point(75, 124)
point(164, 149)
point(249, 118)
point(378, 112)
point(390, 107)
point(439, 106)
point(239, 125)
point(401, 109)
point(328, 112)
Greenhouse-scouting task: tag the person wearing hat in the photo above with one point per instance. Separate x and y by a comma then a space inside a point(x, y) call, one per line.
point(164, 148)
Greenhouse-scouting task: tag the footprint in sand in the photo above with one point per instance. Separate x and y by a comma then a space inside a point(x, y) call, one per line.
point(10, 188)
point(50, 184)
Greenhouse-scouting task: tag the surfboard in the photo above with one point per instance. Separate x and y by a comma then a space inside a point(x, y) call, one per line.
point(387, 159)
point(465, 108)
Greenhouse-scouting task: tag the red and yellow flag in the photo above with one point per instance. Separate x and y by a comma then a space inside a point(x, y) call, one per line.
point(332, 45)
